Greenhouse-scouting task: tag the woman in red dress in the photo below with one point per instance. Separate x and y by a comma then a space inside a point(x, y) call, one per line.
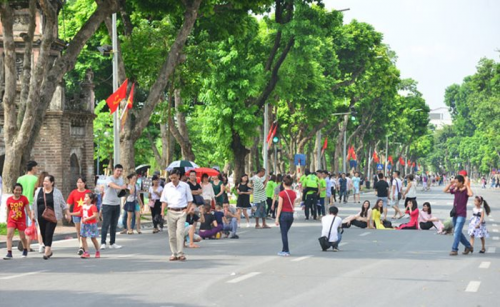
point(412, 209)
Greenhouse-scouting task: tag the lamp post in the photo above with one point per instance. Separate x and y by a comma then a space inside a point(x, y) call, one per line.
point(116, 119)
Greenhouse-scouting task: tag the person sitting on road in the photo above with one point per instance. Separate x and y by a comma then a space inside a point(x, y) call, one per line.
point(362, 219)
point(333, 222)
point(230, 221)
point(208, 227)
point(376, 214)
point(190, 235)
point(426, 221)
point(411, 209)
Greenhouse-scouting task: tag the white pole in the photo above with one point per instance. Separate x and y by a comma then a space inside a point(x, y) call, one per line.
point(345, 150)
point(386, 153)
point(116, 120)
point(318, 152)
point(266, 131)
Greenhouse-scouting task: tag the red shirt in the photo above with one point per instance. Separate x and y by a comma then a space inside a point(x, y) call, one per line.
point(16, 207)
point(88, 211)
point(76, 198)
point(288, 199)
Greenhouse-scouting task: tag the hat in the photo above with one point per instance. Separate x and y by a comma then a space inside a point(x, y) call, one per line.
point(463, 173)
point(124, 193)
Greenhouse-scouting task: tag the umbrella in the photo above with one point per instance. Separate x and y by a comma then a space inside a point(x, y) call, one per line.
point(205, 170)
point(187, 165)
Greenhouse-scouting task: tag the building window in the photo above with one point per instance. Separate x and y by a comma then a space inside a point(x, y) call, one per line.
point(77, 131)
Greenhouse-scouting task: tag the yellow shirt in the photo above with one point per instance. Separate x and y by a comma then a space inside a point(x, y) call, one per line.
point(376, 219)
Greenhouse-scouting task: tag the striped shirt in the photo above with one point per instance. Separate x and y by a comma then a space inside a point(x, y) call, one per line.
point(259, 190)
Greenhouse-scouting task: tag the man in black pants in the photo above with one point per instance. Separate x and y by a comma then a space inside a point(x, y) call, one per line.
point(111, 206)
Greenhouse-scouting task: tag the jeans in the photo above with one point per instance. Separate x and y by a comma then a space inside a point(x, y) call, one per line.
point(311, 201)
point(286, 221)
point(124, 220)
point(321, 208)
point(336, 243)
point(344, 194)
point(110, 216)
point(232, 226)
point(458, 236)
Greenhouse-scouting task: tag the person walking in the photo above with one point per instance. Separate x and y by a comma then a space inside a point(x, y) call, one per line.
point(461, 192)
point(76, 201)
point(396, 194)
point(271, 185)
point(312, 193)
point(110, 208)
point(28, 181)
point(342, 188)
point(259, 182)
point(154, 201)
point(356, 182)
point(49, 197)
point(17, 207)
point(411, 191)
point(284, 213)
point(382, 191)
point(477, 225)
point(178, 199)
point(89, 214)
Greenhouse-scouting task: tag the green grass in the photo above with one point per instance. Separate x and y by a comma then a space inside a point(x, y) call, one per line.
point(3, 230)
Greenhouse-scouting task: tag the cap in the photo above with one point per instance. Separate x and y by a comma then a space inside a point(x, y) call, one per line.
point(463, 172)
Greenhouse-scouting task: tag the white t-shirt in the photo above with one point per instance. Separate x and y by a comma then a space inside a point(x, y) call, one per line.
point(153, 195)
point(326, 222)
point(396, 182)
point(412, 192)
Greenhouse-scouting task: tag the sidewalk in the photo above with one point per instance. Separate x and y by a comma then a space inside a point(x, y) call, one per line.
point(67, 232)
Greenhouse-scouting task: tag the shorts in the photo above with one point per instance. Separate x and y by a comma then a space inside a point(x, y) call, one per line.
point(356, 190)
point(384, 202)
point(19, 225)
point(89, 231)
point(395, 202)
point(76, 219)
point(129, 206)
point(260, 209)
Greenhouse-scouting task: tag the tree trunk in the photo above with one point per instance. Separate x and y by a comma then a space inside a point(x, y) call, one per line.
point(240, 152)
point(339, 152)
point(181, 132)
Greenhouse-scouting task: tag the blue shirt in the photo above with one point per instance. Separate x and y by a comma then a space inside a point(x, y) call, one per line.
point(356, 181)
point(328, 187)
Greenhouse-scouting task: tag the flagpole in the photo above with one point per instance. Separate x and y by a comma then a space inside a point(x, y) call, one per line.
point(116, 115)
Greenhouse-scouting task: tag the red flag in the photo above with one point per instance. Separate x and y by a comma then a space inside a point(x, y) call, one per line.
point(375, 157)
point(401, 161)
point(273, 133)
point(270, 133)
point(325, 145)
point(130, 101)
point(390, 160)
point(413, 164)
point(409, 163)
point(113, 101)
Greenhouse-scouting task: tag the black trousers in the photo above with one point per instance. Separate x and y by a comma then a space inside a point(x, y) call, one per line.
point(155, 211)
point(311, 204)
point(46, 229)
point(269, 205)
point(110, 216)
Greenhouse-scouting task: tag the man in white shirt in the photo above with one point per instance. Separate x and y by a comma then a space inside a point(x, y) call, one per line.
point(395, 194)
point(177, 197)
point(331, 224)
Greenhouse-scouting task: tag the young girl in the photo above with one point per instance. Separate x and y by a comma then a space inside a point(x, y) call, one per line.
point(477, 225)
point(16, 219)
point(376, 213)
point(89, 228)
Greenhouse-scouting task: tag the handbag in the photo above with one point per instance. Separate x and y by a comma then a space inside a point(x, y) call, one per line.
point(453, 212)
point(48, 213)
point(324, 241)
point(387, 224)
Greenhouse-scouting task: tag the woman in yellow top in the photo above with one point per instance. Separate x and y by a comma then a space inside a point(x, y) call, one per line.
point(377, 208)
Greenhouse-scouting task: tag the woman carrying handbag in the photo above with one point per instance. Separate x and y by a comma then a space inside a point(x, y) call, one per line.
point(50, 208)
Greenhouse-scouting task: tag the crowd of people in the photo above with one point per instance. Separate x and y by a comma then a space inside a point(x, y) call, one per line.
point(196, 209)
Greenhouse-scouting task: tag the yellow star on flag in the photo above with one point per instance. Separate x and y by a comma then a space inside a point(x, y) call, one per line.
point(79, 202)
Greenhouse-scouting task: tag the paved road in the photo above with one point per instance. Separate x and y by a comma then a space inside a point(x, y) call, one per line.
point(373, 268)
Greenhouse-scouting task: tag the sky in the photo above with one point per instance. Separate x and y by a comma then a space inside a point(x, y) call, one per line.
point(438, 42)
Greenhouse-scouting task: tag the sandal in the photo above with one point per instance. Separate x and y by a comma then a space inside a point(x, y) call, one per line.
point(130, 232)
point(266, 227)
point(139, 232)
point(482, 251)
point(258, 227)
point(173, 258)
point(181, 258)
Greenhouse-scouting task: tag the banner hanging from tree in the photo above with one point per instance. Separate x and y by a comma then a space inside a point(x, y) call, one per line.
point(114, 100)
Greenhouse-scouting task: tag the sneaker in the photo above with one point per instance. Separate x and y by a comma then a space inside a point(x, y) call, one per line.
point(114, 246)
point(103, 246)
point(283, 254)
point(85, 255)
point(98, 254)
point(8, 257)
point(25, 253)
point(80, 251)
point(41, 249)
point(335, 249)
point(234, 237)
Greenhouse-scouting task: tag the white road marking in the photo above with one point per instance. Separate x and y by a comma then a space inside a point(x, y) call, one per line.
point(495, 230)
point(343, 243)
point(496, 238)
point(492, 219)
point(243, 277)
point(485, 265)
point(494, 225)
point(473, 286)
point(301, 258)
point(364, 234)
point(491, 250)
point(20, 275)
point(126, 256)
